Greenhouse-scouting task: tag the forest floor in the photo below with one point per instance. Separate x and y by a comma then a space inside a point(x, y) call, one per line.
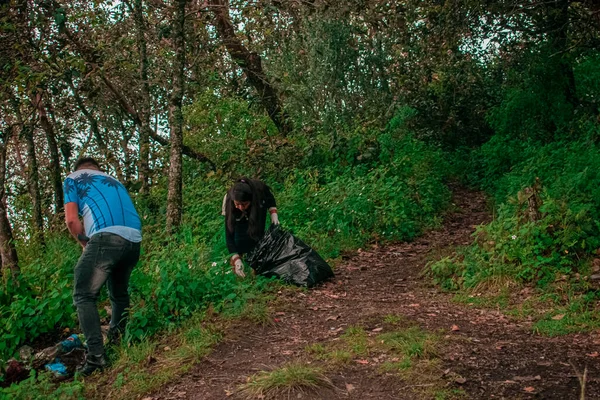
point(381, 330)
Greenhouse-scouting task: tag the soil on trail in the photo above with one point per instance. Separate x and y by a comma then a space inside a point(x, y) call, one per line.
point(486, 354)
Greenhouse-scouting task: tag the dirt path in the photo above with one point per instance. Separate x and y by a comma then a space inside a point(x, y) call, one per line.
point(489, 356)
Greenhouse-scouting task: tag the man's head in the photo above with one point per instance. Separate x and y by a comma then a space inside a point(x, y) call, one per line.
point(86, 163)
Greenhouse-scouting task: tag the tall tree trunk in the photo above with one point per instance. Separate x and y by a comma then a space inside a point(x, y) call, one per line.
point(144, 140)
point(8, 252)
point(251, 64)
point(125, 138)
point(33, 177)
point(174, 198)
point(55, 177)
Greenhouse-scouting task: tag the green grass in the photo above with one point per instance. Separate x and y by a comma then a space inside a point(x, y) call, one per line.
point(356, 341)
point(449, 394)
point(396, 366)
point(393, 319)
point(412, 342)
point(281, 382)
point(581, 315)
point(135, 354)
point(197, 342)
point(258, 313)
point(333, 357)
point(500, 301)
point(556, 310)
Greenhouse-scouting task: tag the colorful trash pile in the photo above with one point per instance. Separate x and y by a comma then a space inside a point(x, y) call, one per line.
point(48, 359)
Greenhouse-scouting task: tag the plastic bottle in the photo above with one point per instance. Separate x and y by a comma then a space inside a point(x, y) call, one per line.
point(71, 343)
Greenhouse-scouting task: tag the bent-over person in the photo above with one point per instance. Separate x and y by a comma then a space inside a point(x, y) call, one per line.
point(110, 236)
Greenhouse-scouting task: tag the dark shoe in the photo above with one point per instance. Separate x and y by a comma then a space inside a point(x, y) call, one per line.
point(92, 364)
point(113, 336)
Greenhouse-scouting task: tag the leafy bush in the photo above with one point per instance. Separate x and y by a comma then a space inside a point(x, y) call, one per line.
point(536, 251)
point(40, 300)
point(394, 199)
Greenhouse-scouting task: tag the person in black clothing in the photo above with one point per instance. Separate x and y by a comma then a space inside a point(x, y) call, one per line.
point(245, 208)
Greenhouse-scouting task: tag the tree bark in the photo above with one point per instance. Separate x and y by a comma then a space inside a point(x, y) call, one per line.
point(124, 142)
point(251, 64)
point(174, 198)
point(33, 177)
point(144, 140)
point(55, 177)
point(8, 252)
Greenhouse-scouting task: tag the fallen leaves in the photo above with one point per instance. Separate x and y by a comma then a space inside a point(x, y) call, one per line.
point(558, 317)
point(594, 354)
point(454, 328)
point(350, 388)
point(527, 378)
point(364, 362)
point(529, 389)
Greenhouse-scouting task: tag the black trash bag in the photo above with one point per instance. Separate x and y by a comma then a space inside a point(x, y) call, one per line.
point(282, 255)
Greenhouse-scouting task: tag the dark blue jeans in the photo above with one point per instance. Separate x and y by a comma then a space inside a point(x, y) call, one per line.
point(107, 258)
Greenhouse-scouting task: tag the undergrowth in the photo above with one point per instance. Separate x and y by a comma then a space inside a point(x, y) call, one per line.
point(545, 234)
point(341, 206)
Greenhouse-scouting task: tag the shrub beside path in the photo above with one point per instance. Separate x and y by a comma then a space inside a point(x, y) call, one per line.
point(349, 330)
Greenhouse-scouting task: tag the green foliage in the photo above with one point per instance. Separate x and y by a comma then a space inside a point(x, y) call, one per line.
point(541, 161)
point(535, 251)
point(393, 199)
point(40, 301)
point(412, 342)
point(581, 314)
point(535, 103)
point(41, 387)
point(332, 74)
point(236, 137)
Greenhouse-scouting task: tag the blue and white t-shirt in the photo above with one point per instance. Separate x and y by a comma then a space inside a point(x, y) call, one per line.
point(103, 203)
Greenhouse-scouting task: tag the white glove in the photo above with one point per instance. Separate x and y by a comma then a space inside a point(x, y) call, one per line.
point(238, 266)
point(274, 217)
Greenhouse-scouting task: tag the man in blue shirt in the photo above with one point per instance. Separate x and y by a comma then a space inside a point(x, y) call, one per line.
point(110, 237)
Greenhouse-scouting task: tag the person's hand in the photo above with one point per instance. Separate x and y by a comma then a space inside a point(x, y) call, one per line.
point(238, 265)
point(274, 217)
point(83, 240)
point(238, 268)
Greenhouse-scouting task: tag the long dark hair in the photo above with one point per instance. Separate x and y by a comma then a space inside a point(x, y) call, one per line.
point(251, 190)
